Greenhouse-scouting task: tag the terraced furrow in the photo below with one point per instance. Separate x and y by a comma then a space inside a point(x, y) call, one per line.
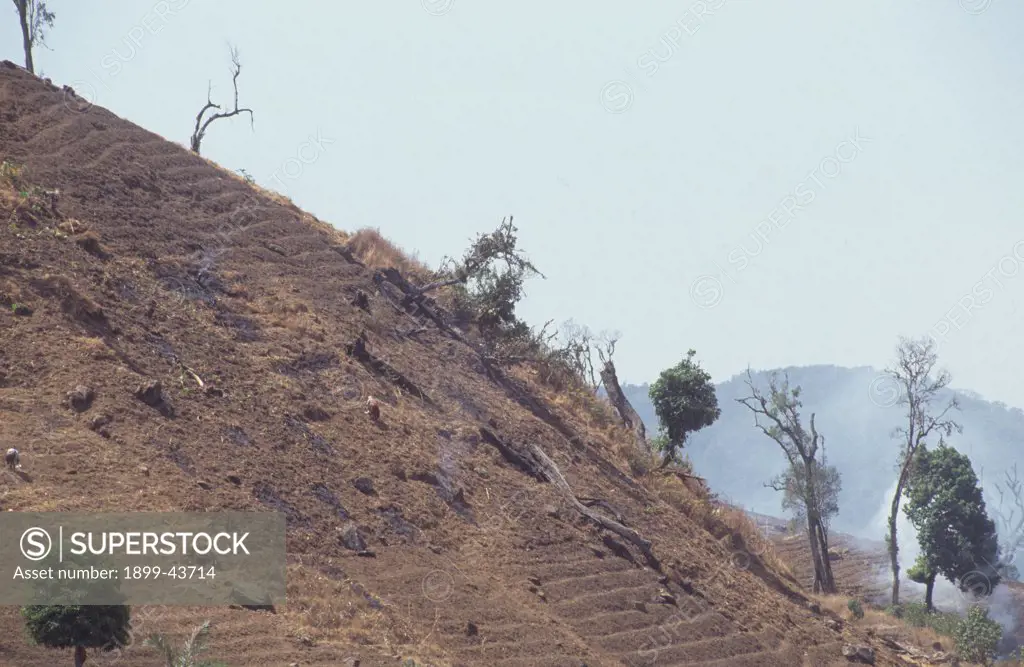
point(621, 622)
point(784, 655)
point(44, 135)
point(126, 149)
point(559, 589)
point(728, 648)
point(584, 606)
point(665, 631)
point(489, 652)
point(559, 569)
point(548, 661)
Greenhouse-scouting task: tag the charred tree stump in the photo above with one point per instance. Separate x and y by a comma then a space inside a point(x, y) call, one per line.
point(618, 399)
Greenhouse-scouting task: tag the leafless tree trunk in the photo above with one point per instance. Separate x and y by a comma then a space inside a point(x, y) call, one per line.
point(1011, 532)
point(201, 125)
point(781, 411)
point(625, 409)
point(918, 389)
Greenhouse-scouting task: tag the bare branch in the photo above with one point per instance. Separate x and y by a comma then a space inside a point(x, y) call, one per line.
point(200, 130)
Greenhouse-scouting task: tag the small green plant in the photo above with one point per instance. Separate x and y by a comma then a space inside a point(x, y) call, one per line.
point(188, 656)
point(855, 608)
point(977, 637)
point(247, 176)
point(10, 172)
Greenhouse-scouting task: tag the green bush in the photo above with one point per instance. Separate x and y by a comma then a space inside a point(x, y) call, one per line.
point(977, 636)
point(917, 615)
point(855, 608)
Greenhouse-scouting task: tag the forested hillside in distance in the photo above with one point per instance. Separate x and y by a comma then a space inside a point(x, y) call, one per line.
point(853, 412)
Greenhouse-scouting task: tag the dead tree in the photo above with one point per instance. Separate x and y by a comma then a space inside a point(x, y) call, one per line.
point(201, 124)
point(781, 412)
point(1011, 527)
point(34, 18)
point(618, 399)
point(918, 389)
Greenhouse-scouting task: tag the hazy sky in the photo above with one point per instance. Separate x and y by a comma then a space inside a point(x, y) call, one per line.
point(875, 146)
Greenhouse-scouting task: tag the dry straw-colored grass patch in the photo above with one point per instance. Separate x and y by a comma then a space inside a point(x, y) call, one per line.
point(884, 624)
point(377, 252)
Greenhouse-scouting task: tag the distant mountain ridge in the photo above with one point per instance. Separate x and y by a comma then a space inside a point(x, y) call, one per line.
point(855, 413)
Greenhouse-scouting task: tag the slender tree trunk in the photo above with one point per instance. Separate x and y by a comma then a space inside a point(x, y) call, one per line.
point(828, 581)
point(812, 537)
point(823, 581)
point(894, 561)
point(26, 35)
point(929, 587)
point(79, 656)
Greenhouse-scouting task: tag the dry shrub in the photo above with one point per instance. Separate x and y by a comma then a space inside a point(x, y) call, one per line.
point(883, 623)
point(375, 251)
point(640, 463)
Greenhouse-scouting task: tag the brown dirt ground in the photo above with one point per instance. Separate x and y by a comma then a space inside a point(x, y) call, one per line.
point(123, 295)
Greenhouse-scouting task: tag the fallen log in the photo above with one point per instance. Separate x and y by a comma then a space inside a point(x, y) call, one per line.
point(533, 461)
point(554, 476)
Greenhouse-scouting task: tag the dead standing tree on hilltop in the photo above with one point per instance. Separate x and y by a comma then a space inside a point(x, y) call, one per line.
point(201, 124)
point(781, 409)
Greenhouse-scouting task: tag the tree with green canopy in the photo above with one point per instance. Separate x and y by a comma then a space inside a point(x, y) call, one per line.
point(684, 400)
point(79, 627)
point(958, 540)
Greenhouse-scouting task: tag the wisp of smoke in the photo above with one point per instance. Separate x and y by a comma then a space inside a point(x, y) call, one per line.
point(946, 596)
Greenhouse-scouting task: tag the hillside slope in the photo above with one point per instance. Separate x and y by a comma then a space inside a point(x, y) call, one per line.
point(116, 282)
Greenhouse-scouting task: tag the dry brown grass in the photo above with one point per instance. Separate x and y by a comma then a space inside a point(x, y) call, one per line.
point(378, 252)
point(885, 625)
point(321, 609)
point(718, 519)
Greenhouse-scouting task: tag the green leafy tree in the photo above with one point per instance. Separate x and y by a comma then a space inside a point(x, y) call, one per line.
point(488, 279)
point(34, 18)
point(188, 655)
point(977, 637)
point(958, 539)
point(684, 400)
point(79, 627)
